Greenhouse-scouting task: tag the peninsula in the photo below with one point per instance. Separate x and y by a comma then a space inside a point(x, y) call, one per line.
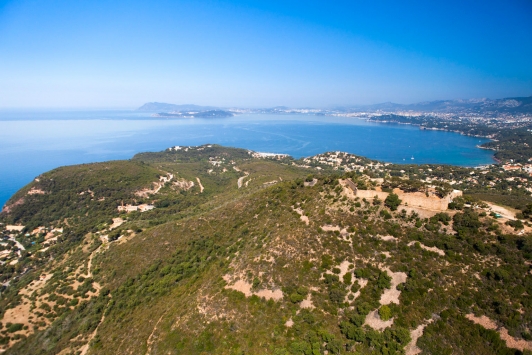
point(219, 250)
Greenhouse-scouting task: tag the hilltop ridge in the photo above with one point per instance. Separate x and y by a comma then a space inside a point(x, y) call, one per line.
point(218, 250)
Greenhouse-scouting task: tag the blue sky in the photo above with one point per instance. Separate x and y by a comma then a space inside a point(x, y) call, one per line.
point(121, 54)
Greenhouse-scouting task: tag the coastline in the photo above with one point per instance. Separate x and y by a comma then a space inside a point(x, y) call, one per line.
point(423, 128)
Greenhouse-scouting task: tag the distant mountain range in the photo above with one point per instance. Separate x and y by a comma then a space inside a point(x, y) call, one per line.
point(202, 114)
point(510, 105)
point(164, 107)
point(507, 105)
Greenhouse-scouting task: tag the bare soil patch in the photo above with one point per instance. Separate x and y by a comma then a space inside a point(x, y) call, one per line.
point(392, 294)
point(411, 348)
point(302, 215)
point(245, 287)
point(511, 342)
point(200, 185)
point(35, 191)
point(117, 222)
point(374, 321)
point(432, 249)
point(387, 238)
point(307, 302)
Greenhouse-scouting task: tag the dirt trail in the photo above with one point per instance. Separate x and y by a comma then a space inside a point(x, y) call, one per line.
point(505, 212)
point(150, 340)
point(241, 179)
point(89, 266)
point(200, 185)
point(85, 347)
point(158, 186)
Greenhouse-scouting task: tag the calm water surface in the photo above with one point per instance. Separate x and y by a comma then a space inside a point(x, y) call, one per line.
point(34, 142)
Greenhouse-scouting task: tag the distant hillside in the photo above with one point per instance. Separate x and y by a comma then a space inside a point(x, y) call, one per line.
point(202, 114)
point(164, 107)
point(513, 105)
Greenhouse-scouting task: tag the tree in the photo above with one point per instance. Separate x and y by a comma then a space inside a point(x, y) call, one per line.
point(385, 312)
point(392, 201)
point(466, 222)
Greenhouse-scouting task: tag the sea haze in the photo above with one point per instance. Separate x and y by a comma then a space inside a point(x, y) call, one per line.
point(34, 142)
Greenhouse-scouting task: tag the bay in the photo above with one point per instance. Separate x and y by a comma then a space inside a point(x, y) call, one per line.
point(32, 142)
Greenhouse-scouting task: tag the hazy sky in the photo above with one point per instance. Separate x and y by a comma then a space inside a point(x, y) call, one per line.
point(121, 54)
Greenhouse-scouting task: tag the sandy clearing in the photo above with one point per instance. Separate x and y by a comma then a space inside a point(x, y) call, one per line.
point(38, 230)
point(411, 348)
point(200, 185)
point(374, 321)
point(183, 184)
point(511, 342)
point(157, 186)
point(19, 314)
point(302, 215)
point(15, 228)
point(331, 228)
point(392, 294)
point(432, 249)
point(344, 268)
point(307, 302)
point(387, 238)
point(362, 283)
point(35, 191)
point(117, 222)
point(35, 285)
point(245, 287)
point(422, 212)
point(276, 295)
point(310, 183)
point(22, 313)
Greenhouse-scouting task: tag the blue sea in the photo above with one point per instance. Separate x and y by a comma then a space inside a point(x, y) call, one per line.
point(34, 142)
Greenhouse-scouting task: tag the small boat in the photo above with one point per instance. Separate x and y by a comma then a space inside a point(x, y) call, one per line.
point(412, 157)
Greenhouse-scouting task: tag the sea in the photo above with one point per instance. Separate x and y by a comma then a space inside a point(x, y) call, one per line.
point(33, 142)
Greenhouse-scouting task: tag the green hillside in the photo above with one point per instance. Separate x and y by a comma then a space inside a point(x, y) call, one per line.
point(244, 254)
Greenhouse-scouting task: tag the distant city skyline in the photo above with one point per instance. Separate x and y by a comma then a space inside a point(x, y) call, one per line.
point(98, 54)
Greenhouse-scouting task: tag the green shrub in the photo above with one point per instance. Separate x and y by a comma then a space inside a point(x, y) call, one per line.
point(385, 312)
point(15, 327)
point(392, 201)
